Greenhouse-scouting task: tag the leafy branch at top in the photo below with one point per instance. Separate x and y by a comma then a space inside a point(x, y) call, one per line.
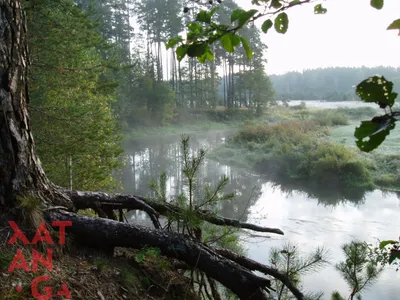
point(203, 31)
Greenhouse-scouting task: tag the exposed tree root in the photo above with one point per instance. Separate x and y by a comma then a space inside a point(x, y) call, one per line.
point(105, 233)
point(96, 200)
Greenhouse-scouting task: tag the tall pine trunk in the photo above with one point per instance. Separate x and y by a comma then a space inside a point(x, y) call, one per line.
point(20, 169)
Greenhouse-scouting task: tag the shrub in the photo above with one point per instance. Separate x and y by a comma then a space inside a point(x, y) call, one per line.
point(358, 113)
point(330, 117)
point(294, 150)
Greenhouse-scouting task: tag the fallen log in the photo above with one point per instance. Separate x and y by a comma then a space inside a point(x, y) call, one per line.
point(109, 233)
point(84, 200)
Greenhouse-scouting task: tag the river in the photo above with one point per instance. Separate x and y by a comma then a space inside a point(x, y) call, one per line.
point(308, 218)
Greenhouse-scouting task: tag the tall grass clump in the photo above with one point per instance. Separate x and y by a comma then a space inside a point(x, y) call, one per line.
point(358, 113)
point(330, 117)
point(296, 150)
point(386, 170)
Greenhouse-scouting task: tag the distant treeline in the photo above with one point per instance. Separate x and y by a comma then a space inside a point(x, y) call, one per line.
point(330, 84)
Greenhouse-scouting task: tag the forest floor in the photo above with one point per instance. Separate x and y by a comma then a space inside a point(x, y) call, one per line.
point(89, 275)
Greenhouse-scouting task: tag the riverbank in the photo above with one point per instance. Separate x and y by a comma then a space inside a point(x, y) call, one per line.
point(194, 121)
point(313, 147)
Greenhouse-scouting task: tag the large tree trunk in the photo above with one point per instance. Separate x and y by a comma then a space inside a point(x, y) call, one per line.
point(20, 169)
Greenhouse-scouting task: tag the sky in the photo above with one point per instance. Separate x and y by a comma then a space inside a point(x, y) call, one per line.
point(352, 33)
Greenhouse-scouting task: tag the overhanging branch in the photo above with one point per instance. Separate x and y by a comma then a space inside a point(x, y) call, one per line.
point(84, 200)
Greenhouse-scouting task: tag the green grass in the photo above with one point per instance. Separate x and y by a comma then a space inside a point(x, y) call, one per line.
point(384, 161)
point(159, 131)
point(296, 150)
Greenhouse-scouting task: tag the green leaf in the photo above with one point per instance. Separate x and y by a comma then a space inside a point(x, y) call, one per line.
point(294, 2)
point(246, 47)
point(140, 257)
point(172, 42)
point(378, 90)
point(195, 27)
point(226, 43)
point(378, 4)
point(319, 9)
point(197, 50)
point(208, 55)
point(266, 25)
point(383, 244)
point(235, 39)
point(281, 23)
point(204, 17)
point(246, 16)
point(395, 25)
point(394, 254)
point(375, 130)
point(181, 52)
point(276, 4)
point(236, 14)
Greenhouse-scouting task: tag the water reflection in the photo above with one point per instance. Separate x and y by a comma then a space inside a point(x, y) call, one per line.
point(324, 195)
point(309, 216)
point(147, 159)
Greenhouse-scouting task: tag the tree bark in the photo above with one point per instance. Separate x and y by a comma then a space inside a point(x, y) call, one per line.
point(20, 169)
point(108, 233)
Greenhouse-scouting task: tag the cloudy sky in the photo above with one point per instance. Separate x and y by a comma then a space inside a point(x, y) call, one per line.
point(352, 33)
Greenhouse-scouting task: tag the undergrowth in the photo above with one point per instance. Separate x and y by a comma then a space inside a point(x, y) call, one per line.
point(297, 150)
point(90, 275)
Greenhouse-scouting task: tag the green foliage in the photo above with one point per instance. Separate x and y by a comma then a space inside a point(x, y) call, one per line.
point(294, 150)
point(289, 261)
point(374, 89)
point(281, 23)
point(266, 25)
point(375, 130)
point(71, 94)
point(320, 10)
point(378, 90)
point(386, 253)
point(330, 117)
point(5, 260)
point(147, 252)
point(31, 208)
point(329, 84)
point(194, 200)
point(378, 4)
point(395, 25)
point(357, 270)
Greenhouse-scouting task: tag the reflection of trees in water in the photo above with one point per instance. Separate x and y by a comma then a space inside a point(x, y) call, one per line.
point(148, 160)
point(325, 195)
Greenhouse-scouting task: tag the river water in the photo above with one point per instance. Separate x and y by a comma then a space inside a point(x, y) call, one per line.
point(309, 218)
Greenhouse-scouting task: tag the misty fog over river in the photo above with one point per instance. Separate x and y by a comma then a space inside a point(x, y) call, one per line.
point(308, 218)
